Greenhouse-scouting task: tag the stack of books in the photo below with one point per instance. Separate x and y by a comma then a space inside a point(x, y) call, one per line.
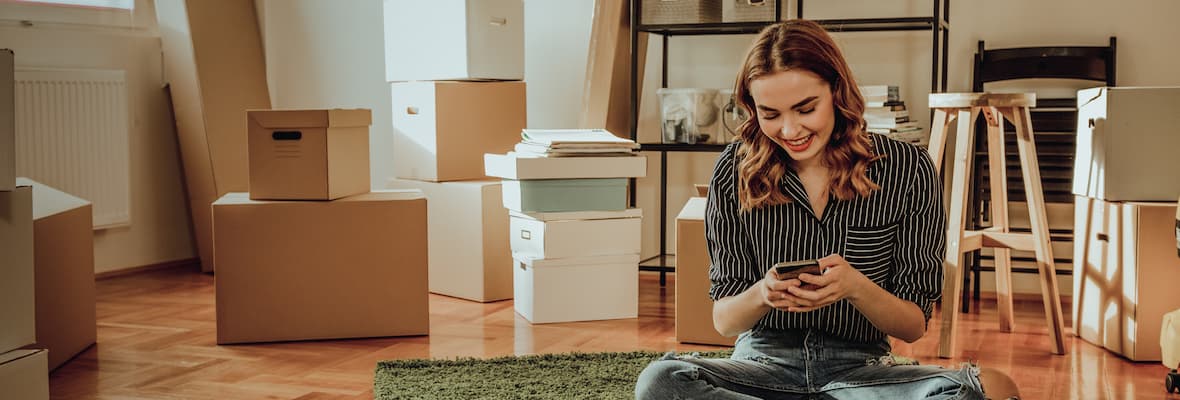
point(886, 114)
point(573, 143)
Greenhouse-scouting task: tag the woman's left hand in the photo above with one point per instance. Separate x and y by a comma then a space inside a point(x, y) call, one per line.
point(839, 281)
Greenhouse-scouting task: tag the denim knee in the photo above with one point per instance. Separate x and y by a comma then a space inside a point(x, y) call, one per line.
point(663, 378)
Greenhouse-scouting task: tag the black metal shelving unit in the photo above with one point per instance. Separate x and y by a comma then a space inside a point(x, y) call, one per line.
point(938, 23)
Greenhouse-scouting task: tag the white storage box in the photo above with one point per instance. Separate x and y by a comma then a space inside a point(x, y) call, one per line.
point(565, 195)
point(657, 12)
point(441, 129)
point(748, 10)
point(575, 234)
point(454, 40)
point(576, 289)
point(24, 375)
point(467, 233)
point(7, 121)
point(17, 310)
point(512, 166)
point(1127, 144)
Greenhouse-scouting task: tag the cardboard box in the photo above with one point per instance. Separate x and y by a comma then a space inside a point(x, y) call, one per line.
point(564, 195)
point(16, 276)
point(1126, 144)
point(24, 375)
point(576, 289)
point(215, 71)
point(308, 154)
point(63, 248)
point(575, 234)
point(442, 129)
point(468, 238)
point(294, 270)
point(512, 166)
point(7, 120)
point(694, 308)
point(461, 39)
point(1124, 267)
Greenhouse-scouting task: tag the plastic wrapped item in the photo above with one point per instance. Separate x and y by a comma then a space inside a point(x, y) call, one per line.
point(732, 116)
point(1170, 339)
point(688, 115)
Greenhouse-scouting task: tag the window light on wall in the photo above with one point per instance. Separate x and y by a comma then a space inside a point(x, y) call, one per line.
point(116, 4)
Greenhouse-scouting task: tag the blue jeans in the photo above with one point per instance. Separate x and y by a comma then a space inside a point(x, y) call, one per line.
point(803, 364)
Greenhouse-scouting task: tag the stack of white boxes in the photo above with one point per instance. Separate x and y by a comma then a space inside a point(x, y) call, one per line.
point(575, 244)
point(456, 69)
point(24, 373)
point(310, 252)
point(1126, 179)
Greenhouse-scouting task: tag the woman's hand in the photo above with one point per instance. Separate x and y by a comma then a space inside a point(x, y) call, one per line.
point(839, 281)
point(775, 292)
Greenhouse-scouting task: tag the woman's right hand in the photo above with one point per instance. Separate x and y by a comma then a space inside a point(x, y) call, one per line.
point(774, 291)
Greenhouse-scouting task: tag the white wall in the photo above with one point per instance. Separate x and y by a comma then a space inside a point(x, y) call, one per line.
point(159, 230)
point(323, 54)
point(556, 41)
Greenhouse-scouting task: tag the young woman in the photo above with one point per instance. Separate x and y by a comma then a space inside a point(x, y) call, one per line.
point(806, 181)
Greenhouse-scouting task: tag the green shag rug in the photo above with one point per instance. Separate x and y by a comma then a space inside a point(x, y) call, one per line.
point(546, 376)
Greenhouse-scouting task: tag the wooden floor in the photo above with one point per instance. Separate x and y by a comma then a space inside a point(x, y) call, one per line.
point(156, 340)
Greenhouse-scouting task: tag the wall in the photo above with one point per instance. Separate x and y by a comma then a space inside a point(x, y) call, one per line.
point(159, 230)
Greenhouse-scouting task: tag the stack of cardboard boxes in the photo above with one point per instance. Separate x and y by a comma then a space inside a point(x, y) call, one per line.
point(23, 372)
point(575, 244)
point(456, 69)
point(310, 252)
point(1126, 179)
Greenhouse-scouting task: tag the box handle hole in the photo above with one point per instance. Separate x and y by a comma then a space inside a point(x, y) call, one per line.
point(286, 135)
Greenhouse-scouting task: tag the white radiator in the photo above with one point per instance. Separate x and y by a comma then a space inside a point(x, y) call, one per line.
point(72, 134)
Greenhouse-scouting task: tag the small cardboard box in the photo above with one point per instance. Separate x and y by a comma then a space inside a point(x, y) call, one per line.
point(17, 299)
point(576, 289)
point(468, 238)
point(294, 270)
point(7, 121)
point(462, 39)
point(1123, 269)
point(565, 195)
point(575, 234)
point(1126, 144)
point(513, 166)
point(308, 154)
point(694, 308)
point(442, 129)
point(63, 248)
point(24, 375)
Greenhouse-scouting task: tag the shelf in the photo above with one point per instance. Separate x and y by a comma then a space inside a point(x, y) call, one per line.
point(676, 147)
point(832, 25)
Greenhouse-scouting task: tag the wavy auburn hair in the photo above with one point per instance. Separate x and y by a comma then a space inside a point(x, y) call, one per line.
point(801, 45)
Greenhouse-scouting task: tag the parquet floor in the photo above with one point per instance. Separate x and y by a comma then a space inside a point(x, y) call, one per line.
point(156, 341)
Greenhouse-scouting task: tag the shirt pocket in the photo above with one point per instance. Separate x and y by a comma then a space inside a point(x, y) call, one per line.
point(870, 249)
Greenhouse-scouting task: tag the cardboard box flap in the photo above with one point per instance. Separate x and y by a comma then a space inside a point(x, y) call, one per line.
point(275, 119)
point(578, 215)
point(563, 262)
point(243, 198)
point(694, 209)
point(48, 201)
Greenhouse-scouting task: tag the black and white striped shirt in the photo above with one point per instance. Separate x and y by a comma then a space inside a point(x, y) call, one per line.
point(895, 237)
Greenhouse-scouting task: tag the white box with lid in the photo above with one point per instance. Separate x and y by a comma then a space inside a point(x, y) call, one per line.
point(576, 289)
point(1126, 144)
point(454, 40)
point(575, 234)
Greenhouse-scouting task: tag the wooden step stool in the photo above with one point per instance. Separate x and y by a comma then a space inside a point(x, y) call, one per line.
point(965, 107)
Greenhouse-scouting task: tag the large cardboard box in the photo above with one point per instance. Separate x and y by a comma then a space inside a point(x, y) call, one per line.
point(468, 238)
point(515, 166)
point(16, 272)
point(348, 268)
point(442, 129)
point(576, 289)
point(24, 375)
point(215, 70)
point(565, 195)
point(1124, 266)
point(1126, 144)
point(308, 154)
point(63, 248)
point(575, 234)
point(7, 120)
point(460, 39)
point(694, 308)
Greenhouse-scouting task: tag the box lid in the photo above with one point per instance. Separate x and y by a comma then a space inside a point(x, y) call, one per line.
point(694, 209)
point(243, 198)
point(311, 118)
point(17, 354)
point(516, 166)
point(578, 215)
point(529, 260)
point(48, 201)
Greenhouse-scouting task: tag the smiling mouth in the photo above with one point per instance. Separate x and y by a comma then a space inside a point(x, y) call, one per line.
point(800, 141)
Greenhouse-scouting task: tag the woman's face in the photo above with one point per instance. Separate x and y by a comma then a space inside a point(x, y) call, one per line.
point(795, 110)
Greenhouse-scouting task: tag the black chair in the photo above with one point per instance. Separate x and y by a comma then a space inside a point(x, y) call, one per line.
point(1054, 125)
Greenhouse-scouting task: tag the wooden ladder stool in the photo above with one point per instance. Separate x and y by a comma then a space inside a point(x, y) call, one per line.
point(995, 107)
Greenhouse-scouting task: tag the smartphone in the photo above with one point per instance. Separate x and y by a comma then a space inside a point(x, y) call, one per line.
point(792, 269)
